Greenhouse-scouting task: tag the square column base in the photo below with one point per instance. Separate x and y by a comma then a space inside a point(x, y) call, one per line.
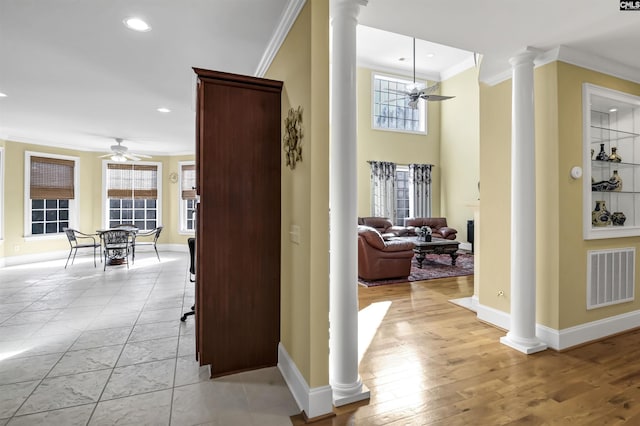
point(360, 396)
point(528, 349)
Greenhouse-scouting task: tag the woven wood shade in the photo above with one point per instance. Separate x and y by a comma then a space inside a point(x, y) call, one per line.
point(188, 182)
point(51, 178)
point(130, 181)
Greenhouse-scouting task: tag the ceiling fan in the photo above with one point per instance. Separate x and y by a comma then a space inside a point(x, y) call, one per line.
point(120, 153)
point(427, 93)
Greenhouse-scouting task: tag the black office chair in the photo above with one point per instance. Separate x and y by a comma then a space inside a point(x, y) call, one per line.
point(192, 271)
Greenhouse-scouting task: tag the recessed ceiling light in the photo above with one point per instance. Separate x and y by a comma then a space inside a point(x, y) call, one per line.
point(137, 24)
point(163, 110)
point(430, 55)
point(3, 95)
point(613, 109)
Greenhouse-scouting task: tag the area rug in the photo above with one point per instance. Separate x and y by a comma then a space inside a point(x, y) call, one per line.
point(434, 266)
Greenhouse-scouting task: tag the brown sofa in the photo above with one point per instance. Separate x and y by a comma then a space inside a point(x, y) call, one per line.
point(379, 259)
point(384, 226)
point(438, 225)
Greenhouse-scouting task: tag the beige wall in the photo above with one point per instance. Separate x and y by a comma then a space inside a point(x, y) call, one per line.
point(89, 196)
point(303, 64)
point(397, 147)
point(459, 150)
point(561, 255)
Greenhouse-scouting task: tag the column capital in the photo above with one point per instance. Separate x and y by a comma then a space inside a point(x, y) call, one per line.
point(346, 8)
point(524, 57)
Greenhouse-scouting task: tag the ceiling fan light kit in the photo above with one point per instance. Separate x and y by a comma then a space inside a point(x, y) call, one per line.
point(121, 154)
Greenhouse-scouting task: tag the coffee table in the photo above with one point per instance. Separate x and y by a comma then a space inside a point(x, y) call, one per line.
point(435, 246)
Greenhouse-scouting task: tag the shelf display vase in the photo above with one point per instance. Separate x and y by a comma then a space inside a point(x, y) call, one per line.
point(602, 155)
point(600, 216)
point(615, 157)
point(615, 182)
point(618, 218)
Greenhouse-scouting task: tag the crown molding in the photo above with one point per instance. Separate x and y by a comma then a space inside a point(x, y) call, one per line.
point(430, 76)
point(287, 19)
point(458, 68)
point(574, 57)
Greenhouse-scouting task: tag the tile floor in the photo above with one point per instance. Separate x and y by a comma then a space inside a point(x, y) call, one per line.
point(80, 346)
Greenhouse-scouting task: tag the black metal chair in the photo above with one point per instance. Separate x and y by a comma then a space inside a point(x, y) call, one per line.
point(73, 236)
point(117, 246)
point(192, 271)
point(155, 233)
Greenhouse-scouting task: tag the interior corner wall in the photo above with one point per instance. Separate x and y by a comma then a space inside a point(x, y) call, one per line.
point(459, 150)
point(572, 247)
point(302, 63)
point(397, 147)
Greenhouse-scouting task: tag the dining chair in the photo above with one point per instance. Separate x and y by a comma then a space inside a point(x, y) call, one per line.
point(155, 233)
point(117, 246)
point(74, 236)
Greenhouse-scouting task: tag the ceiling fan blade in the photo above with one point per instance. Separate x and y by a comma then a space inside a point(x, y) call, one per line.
point(430, 90)
point(131, 157)
point(432, 98)
point(105, 156)
point(140, 155)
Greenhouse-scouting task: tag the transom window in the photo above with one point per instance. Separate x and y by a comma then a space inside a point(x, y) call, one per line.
point(390, 106)
point(50, 194)
point(133, 194)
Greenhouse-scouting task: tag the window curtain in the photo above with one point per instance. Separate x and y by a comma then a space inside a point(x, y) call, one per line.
point(51, 178)
point(420, 182)
point(383, 182)
point(128, 181)
point(188, 181)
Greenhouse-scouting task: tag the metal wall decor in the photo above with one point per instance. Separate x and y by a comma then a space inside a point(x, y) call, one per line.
point(292, 138)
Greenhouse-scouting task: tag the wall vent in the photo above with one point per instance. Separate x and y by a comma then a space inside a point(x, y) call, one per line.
point(610, 276)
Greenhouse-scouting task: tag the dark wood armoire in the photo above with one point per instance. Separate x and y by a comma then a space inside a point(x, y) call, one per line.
point(238, 221)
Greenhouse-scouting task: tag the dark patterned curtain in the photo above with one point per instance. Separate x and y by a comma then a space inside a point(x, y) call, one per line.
point(383, 182)
point(420, 181)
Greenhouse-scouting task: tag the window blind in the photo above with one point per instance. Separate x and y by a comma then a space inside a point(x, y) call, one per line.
point(51, 178)
point(129, 181)
point(188, 181)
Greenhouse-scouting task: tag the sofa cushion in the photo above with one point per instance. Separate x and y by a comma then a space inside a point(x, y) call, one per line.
point(371, 236)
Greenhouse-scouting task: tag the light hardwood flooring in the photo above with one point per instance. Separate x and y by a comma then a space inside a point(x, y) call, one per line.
point(431, 362)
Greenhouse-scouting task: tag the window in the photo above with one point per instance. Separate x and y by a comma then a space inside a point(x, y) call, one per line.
point(390, 106)
point(187, 196)
point(50, 193)
point(403, 194)
point(133, 194)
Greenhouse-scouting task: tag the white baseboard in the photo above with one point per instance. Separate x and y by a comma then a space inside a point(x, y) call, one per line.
point(26, 259)
point(567, 337)
point(314, 402)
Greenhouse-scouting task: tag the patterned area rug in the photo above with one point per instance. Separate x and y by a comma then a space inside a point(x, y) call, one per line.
point(434, 266)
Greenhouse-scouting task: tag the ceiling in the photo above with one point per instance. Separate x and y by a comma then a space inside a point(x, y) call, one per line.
point(76, 77)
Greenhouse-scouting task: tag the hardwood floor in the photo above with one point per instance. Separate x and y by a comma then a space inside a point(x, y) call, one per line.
point(431, 362)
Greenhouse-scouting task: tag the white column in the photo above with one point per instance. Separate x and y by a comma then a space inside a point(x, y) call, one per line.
point(343, 299)
point(522, 333)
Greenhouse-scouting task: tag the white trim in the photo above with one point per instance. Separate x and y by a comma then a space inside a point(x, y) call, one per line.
point(577, 58)
point(74, 203)
point(314, 402)
point(457, 68)
point(287, 19)
point(105, 207)
point(567, 337)
point(182, 220)
point(62, 255)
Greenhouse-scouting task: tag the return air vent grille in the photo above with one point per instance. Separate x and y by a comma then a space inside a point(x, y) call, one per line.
point(610, 276)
